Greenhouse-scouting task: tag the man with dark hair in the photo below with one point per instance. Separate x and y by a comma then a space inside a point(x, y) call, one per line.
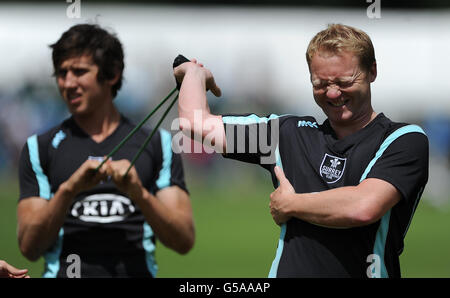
point(89, 223)
point(347, 189)
point(104, 48)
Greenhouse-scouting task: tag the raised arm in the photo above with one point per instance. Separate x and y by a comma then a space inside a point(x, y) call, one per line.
point(196, 120)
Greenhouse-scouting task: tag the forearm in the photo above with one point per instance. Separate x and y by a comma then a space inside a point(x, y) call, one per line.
point(39, 225)
point(196, 120)
point(342, 207)
point(319, 209)
point(174, 228)
point(192, 96)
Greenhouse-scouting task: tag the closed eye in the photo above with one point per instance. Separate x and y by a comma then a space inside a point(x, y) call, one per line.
point(345, 84)
point(61, 73)
point(319, 84)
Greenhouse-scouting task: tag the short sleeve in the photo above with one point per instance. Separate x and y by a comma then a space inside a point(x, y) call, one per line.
point(252, 138)
point(404, 164)
point(33, 180)
point(170, 167)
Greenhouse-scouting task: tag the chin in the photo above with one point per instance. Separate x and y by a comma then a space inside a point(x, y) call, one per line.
point(341, 117)
point(78, 111)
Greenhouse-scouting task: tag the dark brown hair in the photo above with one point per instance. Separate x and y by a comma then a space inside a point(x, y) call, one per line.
point(89, 39)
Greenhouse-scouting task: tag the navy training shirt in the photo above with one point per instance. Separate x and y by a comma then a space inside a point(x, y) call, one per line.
point(103, 226)
point(314, 160)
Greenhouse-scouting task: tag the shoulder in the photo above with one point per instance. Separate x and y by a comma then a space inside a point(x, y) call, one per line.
point(392, 131)
point(408, 138)
point(38, 148)
point(256, 119)
point(405, 138)
point(403, 131)
point(52, 136)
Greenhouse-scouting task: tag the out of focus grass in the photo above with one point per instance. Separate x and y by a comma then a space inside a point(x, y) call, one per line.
point(236, 236)
point(427, 243)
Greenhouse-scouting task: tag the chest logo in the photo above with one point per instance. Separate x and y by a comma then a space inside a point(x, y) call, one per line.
point(332, 168)
point(103, 208)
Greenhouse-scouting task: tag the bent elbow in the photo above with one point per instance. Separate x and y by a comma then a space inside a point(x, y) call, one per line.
point(187, 245)
point(28, 248)
point(361, 219)
point(29, 253)
point(183, 250)
point(365, 215)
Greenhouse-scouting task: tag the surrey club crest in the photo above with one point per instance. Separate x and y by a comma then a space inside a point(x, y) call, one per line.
point(332, 168)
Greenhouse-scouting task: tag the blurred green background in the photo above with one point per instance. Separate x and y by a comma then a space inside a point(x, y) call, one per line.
point(236, 236)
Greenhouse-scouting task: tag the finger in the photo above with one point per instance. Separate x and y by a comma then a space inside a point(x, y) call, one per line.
point(125, 163)
point(102, 169)
point(105, 160)
point(14, 271)
point(275, 217)
point(272, 195)
point(91, 173)
point(93, 163)
point(21, 272)
point(216, 91)
point(104, 172)
point(113, 171)
point(102, 175)
point(90, 167)
point(108, 169)
point(280, 176)
point(214, 88)
point(194, 60)
point(114, 166)
point(98, 175)
point(17, 275)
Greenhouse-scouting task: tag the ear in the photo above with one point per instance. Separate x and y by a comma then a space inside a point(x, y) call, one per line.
point(115, 79)
point(373, 72)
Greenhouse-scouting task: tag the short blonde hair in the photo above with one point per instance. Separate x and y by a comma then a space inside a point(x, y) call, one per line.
point(337, 38)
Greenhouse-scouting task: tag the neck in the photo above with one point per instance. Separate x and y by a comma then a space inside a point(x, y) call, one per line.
point(345, 129)
point(99, 124)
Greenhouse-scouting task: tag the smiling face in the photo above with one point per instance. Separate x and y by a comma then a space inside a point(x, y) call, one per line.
point(78, 84)
point(341, 88)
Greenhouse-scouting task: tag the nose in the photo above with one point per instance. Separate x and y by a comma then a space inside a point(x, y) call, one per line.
point(333, 92)
point(69, 80)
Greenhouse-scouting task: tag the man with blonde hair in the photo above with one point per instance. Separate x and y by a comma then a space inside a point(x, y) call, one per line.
point(347, 188)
